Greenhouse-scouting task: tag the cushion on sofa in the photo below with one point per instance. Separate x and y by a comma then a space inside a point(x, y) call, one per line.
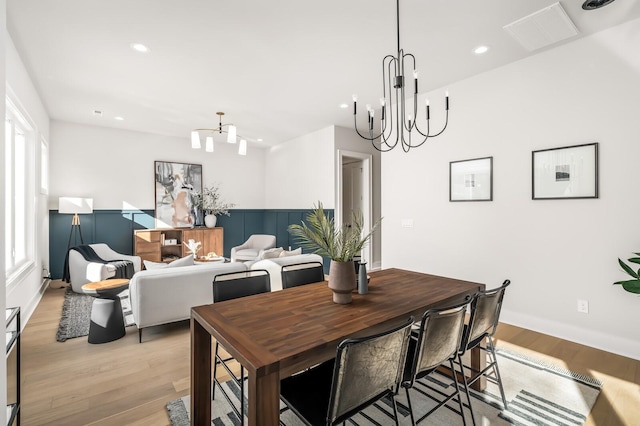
point(271, 253)
point(295, 252)
point(183, 261)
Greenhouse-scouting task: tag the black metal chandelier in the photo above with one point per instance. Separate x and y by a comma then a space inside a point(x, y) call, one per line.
point(398, 124)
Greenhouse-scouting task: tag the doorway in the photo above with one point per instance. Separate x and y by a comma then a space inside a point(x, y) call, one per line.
point(354, 193)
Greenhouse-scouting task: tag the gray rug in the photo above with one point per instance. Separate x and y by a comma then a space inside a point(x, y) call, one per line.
point(76, 314)
point(537, 394)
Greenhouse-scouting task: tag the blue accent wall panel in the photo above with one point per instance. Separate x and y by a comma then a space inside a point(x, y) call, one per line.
point(115, 228)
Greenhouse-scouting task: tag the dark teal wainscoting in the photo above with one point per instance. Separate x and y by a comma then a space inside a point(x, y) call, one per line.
point(115, 228)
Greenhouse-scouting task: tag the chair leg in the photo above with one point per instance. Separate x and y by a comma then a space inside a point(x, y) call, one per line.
point(395, 409)
point(215, 370)
point(466, 389)
point(241, 394)
point(492, 351)
point(413, 420)
point(139, 335)
point(455, 383)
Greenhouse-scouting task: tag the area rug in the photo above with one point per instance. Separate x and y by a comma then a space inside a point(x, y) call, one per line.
point(76, 314)
point(537, 394)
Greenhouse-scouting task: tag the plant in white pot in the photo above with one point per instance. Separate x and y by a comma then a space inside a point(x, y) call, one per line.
point(319, 234)
point(213, 205)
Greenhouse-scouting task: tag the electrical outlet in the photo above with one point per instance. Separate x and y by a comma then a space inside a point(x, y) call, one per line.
point(406, 223)
point(583, 306)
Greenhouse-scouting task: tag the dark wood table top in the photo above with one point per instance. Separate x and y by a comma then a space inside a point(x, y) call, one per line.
point(301, 326)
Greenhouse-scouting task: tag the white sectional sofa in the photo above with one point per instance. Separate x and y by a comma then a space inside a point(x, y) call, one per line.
point(162, 296)
point(165, 295)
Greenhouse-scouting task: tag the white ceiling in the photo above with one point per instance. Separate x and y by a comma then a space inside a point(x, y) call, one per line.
point(278, 69)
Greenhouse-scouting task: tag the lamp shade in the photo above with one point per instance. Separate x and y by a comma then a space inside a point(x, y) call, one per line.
point(73, 205)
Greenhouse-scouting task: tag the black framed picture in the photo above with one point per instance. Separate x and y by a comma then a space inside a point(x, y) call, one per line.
point(471, 180)
point(565, 173)
point(176, 185)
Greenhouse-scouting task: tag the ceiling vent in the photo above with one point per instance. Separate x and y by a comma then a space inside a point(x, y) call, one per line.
point(542, 28)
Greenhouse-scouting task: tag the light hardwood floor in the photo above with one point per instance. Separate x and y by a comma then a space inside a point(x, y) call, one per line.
point(124, 382)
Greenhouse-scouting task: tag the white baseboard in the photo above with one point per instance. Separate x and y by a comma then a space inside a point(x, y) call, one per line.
point(583, 336)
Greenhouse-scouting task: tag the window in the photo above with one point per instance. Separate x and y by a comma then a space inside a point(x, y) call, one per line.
point(19, 194)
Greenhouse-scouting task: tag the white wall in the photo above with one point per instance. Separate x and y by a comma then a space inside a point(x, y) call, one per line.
point(116, 167)
point(554, 252)
point(27, 291)
point(300, 172)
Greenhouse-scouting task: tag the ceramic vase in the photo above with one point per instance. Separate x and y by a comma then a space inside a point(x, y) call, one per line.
point(363, 282)
point(210, 220)
point(342, 281)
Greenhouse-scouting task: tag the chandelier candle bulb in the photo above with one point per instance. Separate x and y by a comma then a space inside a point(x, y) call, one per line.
point(415, 81)
point(446, 94)
point(209, 144)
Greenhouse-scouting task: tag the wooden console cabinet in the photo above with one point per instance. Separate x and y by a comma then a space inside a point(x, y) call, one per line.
point(152, 244)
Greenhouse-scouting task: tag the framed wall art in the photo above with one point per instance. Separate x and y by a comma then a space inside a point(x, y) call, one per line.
point(175, 186)
point(565, 173)
point(471, 180)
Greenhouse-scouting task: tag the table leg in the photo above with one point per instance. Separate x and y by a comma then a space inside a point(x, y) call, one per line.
point(478, 363)
point(264, 398)
point(200, 374)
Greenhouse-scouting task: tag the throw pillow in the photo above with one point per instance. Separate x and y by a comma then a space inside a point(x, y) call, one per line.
point(295, 252)
point(271, 253)
point(183, 261)
point(148, 265)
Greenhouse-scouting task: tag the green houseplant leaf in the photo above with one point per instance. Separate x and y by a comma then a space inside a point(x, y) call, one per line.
point(632, 286)
point(627, 269)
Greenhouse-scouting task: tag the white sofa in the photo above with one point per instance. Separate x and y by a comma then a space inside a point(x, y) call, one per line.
point(165, 295)
point(274, 266)
point(82, 271)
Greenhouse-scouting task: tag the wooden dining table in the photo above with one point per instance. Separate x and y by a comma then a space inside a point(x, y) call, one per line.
point(274, 335)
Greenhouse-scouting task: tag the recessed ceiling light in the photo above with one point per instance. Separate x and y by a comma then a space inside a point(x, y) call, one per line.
point(480, 50)
point(259, 139)
point(344, 106)
point(595, 4)
point(118, 118)
point(139, 47)
point(97, 113)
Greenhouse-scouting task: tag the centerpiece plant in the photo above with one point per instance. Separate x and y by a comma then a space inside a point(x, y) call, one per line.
point(322, 236)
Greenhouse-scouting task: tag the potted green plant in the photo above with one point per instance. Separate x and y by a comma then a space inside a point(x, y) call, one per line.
point(320, 234)
point(213, 205)
point(633, 285)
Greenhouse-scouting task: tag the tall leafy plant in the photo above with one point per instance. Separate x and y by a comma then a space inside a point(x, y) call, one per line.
point(320, 234)
point(633, 285)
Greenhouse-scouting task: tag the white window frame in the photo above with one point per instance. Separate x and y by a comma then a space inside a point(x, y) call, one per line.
point(16, 118)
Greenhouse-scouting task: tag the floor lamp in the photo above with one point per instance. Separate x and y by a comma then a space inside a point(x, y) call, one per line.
point(75, 206)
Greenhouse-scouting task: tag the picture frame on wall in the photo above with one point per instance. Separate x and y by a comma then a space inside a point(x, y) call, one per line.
point(175, 186)
point(567, 172)
point(471, 180)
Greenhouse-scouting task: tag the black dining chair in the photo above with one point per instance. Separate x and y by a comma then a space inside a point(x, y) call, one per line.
point(478, 333)
point(230, 286)
point(301, 274)
point(434, 344)
point(365, 370)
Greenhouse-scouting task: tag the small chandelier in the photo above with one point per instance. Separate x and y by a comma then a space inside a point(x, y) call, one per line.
point(231, 136)
point(394, 113)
